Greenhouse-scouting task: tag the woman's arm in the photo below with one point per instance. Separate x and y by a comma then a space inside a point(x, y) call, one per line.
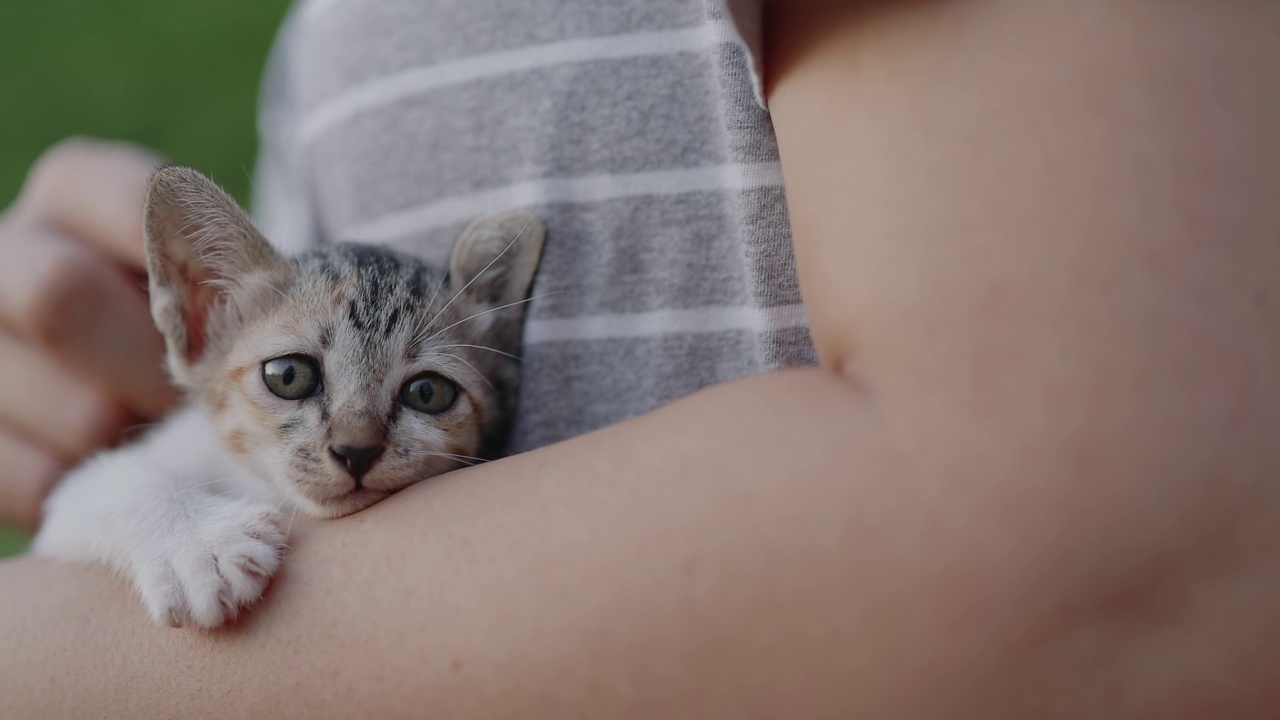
point(713, 558)
point(1034, 478)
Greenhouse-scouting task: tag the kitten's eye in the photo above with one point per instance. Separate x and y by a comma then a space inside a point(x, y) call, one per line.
point(292, 377)
point(430, 393)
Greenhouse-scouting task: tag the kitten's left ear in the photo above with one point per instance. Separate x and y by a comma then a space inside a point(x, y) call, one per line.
point(201, 247)
point(496, 257)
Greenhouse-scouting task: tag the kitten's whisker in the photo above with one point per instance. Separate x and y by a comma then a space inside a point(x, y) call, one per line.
point(263, 281)
point(214, 481)
point(288, 531)
point(424, 324)
point(464, 362)
point(435, 294)
point(467, 463)
point(482, 270)
point(447, 454)
point(486, 312)
point(469, 460)
point(129, 434)
point(478, 347)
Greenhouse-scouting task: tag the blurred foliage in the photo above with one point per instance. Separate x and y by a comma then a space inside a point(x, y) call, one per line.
point(179, 77)
point(10, 541)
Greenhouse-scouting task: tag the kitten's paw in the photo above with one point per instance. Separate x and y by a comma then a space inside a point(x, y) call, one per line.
point(216, 568)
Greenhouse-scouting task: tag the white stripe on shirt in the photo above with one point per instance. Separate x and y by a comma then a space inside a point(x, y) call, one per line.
point(543, 191)
point(664, 322)
point(414, 81)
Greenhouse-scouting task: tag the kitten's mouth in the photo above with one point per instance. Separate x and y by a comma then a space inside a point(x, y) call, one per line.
point(345, 503)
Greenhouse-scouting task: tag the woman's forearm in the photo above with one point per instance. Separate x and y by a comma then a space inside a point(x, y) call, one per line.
point(695, 561)
point(778, 546)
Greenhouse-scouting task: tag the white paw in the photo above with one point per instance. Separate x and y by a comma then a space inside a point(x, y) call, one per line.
point(213, 567)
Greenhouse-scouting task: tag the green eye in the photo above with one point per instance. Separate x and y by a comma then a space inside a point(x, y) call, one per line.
point(292, 377)
point(430, 393)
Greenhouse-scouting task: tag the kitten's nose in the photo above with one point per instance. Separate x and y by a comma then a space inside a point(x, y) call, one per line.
point(356, 460)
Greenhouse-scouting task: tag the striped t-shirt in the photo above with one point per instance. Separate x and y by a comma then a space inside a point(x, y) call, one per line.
point(633, 129)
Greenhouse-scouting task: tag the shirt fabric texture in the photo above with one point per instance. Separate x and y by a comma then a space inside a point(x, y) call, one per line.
point(634, 130)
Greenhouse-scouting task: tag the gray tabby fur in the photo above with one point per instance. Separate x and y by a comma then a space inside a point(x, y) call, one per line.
point(226, 302)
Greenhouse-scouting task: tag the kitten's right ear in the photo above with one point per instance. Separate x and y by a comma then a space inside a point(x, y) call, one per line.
point(494, 260)
point(199, 245)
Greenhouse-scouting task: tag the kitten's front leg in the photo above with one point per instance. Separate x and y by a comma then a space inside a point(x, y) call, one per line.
point(196, 557)
point(210, 560)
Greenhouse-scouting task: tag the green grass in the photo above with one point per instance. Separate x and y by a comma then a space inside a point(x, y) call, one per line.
point(10, 541)
point(179, 77)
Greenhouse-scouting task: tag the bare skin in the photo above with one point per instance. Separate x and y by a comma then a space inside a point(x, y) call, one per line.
point(1033, 478)
point(79, 351)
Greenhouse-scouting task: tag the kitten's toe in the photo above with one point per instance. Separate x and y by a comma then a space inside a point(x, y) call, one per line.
point(202, 584)
point(265, 524)
point(248, 561)
point(244, 547)
point(183, 592)
point(162, 596)
point(247, 569)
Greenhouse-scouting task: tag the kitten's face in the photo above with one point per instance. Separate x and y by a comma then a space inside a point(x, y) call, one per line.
point(343, 375)
point(361, 378)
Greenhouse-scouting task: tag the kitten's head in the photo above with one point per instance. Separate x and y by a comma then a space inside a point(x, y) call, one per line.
point(345, 374)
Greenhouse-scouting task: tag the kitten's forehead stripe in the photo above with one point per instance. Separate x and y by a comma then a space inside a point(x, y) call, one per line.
point(418, 283)
point(357, 315)
point(392, 319)
point(384, 291)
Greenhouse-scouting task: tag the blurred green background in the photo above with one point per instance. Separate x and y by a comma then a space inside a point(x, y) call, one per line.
point(179, 77)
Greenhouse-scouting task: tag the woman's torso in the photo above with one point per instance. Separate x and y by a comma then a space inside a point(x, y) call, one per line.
point(630, 128)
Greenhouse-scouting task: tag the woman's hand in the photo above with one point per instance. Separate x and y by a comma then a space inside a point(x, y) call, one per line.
point(80, 358)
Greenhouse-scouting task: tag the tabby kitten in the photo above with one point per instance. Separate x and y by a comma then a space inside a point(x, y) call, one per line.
point(318, 384)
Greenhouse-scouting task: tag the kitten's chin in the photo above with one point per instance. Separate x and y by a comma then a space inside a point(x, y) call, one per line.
point(339, 505)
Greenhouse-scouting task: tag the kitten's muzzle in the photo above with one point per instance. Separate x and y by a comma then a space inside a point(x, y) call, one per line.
point(356, 460)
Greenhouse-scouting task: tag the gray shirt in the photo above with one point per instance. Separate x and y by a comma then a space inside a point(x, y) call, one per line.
point(633, 129)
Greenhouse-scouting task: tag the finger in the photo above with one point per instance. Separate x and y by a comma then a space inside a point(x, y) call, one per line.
point(92, 190)
point(78, 304)
point(26, 476)
point(43, 401)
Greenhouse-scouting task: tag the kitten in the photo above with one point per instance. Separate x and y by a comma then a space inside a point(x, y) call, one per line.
point(318, 384)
